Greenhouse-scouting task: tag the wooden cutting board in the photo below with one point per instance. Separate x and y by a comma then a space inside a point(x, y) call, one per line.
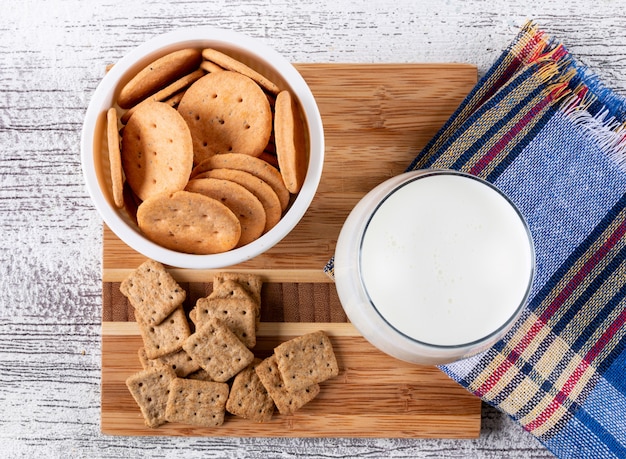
point(376, 118)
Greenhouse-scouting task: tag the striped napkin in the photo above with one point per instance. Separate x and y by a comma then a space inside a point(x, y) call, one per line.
point(549, 134)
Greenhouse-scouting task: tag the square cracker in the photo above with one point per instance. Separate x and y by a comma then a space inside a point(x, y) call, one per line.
point(228, 287)
point(179, 361)
point(286, 401)
point(238, 314)
point(218, 350)
point(306, 360)
point(229, 290)
point(200, 403)
point(166, 337)
point(252, 283)
point(248, 397)
point(152, 291)
point(150, 388)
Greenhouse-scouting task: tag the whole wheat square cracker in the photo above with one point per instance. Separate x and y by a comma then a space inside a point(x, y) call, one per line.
point(218, 350)
point(238, 314)
point(228, 286)
point(195, 402)
point(166, 337)
point(232, 290)
point(252, 283)
point(287, 402)
point(152, 291)
point(248, 397)
point(150, 389)
point(306, 360)
point(179, 361)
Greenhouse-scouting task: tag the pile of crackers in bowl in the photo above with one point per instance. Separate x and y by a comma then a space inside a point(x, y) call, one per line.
point(199, 367)
point(211, 151)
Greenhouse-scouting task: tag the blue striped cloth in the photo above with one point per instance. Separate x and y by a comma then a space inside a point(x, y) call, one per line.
point(544, 130)
point(550, 135)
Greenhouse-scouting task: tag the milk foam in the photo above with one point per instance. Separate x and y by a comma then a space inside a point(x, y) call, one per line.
point(446, 260)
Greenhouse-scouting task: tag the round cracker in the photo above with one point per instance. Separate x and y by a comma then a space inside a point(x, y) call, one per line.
point(166, 93)
point(230, 63)
point(245, 205)
point(264, 192)
point(226, 111)
point(157, 152)
point(210, 67)
point(158, 74)
point(189, 222)
point(115, 158)
point(290, 142)
point(250, 164)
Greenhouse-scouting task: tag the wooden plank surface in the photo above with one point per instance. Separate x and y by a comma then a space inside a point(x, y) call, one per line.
point(373, 396)
point(376, 118)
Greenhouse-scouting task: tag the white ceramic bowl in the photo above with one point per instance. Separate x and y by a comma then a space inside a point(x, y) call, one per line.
point(434, 266)
point(94, 154)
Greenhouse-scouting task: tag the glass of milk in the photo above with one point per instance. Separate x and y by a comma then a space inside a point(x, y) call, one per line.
point(433, 266)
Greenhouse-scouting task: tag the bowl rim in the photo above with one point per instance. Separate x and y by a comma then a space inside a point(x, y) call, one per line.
point(102, 99)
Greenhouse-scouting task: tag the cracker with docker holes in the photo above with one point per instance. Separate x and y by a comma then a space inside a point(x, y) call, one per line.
point(153, 292)
point(218, 350)
point(179, 361)
point(177, 87)
point(167, 337)
point(158, 74)
point(251, 283)
point(306, 360)
point(157, 150)
point(245, 205)
point(150, 388)
point(226, 111)
point(237, 314)
point(227, 62)
point(287, 401)
point(258, 187)
point(248, 397)
point(250, 164)
point(231, 290)
point(234, 285)
point(195, 402)
point(189, 222)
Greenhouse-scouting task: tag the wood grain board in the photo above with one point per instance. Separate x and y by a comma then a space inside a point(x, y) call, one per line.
point(376, 118)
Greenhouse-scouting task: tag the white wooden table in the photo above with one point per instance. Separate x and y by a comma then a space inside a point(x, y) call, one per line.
point(52, 55)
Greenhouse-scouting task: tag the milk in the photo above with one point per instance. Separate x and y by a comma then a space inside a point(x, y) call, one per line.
point(446, 260)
